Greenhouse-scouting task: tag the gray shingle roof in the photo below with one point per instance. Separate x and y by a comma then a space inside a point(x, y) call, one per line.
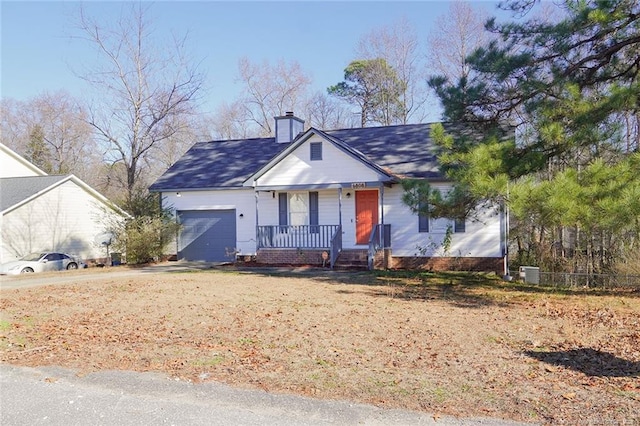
point(218, 164)
point(404, 150)
point(17, 189)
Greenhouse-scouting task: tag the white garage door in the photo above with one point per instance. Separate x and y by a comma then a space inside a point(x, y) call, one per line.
point(207, 235)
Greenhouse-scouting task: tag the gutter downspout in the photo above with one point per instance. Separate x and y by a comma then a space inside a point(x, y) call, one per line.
point(340, 207)
point(257, 197)
point(506, 242)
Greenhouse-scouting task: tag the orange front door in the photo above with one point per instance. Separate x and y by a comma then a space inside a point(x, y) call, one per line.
point(366, 214)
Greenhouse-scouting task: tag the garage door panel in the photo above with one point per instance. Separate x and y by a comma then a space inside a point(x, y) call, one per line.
point(194, 229)
point(207, 235)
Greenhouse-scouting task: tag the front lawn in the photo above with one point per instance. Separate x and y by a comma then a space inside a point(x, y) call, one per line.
point(456, 344)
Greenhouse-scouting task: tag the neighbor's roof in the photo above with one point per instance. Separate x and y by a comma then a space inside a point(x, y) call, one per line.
point(403, 150)
point(15, 190)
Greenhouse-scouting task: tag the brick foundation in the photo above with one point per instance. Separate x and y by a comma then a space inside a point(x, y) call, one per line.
point(476, 264)
point(291, 257)
point(384, 260)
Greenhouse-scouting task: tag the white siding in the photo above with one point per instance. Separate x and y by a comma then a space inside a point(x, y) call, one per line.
point(268, 208)
point(66, 218)
point(349, 219)
point(481, 238)
point(336, 166)
point(12, 165)
point(329, 212)
point(243, 201)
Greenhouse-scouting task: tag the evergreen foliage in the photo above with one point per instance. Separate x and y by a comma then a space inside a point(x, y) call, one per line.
point(37, 150)
point(373, 85)
point(145, 236)
point(571, 180)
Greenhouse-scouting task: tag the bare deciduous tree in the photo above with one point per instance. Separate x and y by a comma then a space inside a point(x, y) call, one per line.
point(325, 112)
point(230, 122)
point(398, 45)
point(165, 154)
point(65, 130)
point(454, 37)
point(145, 91)
point(58, 124)
point(270, 91)
point(11, 129)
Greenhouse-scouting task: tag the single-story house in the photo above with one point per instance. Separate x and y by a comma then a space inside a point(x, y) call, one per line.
point(41, 212)
point(322, 197)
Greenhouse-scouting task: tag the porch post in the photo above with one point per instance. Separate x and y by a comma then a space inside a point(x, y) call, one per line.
point(382, 204)
point(257, 221)
point(340, 206)
point(385, 249)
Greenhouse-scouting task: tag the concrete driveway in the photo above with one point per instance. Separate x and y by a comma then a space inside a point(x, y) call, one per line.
point(108, 273)
point(96, 274)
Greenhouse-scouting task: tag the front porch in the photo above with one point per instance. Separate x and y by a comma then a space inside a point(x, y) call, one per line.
point(320, 245)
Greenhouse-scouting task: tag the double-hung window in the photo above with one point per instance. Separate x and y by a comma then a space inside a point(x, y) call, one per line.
point(298, 208)
point(423, 218)
point(425, 224)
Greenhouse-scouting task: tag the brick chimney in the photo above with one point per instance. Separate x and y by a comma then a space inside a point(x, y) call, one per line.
point(288, 127)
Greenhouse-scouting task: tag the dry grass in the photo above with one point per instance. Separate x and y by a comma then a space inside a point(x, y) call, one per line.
point(453, 344)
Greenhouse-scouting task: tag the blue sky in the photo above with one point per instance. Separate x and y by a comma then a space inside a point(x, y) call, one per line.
point(38, 52)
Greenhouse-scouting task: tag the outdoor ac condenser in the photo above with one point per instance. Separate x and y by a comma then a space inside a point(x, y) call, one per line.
point(530, 274)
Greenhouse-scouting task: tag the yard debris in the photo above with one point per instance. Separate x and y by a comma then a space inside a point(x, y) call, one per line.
point(486, 349)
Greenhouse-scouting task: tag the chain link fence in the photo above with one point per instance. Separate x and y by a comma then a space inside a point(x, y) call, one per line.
point(584, 280)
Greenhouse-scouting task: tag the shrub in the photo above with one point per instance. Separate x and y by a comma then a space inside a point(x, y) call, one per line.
point(145, 238)
point(629, 263)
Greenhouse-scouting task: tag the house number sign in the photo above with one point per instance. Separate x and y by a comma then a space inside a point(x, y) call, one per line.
point(357, 185)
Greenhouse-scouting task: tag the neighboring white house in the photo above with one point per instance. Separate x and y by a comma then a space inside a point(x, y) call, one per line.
point(314, 197)
point(49, 213)
point(13, 165)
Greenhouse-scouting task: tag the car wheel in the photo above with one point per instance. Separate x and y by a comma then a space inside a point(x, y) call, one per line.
point(26, 271)
point(72, 265)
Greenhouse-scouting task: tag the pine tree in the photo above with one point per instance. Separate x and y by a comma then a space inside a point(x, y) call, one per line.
point(38, 151)
point(373, 85)
point(573, 172)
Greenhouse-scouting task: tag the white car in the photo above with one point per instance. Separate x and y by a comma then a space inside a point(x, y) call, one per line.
point(42, 262)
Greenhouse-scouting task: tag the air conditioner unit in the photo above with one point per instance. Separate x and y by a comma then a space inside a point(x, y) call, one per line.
point(530, 274)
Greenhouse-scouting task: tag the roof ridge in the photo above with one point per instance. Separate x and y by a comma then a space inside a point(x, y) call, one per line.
point(271, 138)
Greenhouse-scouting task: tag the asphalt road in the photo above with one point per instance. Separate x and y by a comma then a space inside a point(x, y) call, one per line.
point(56, 396)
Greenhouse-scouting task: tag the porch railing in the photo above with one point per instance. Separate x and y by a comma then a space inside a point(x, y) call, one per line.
point(297, 236)
point(380, 238)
